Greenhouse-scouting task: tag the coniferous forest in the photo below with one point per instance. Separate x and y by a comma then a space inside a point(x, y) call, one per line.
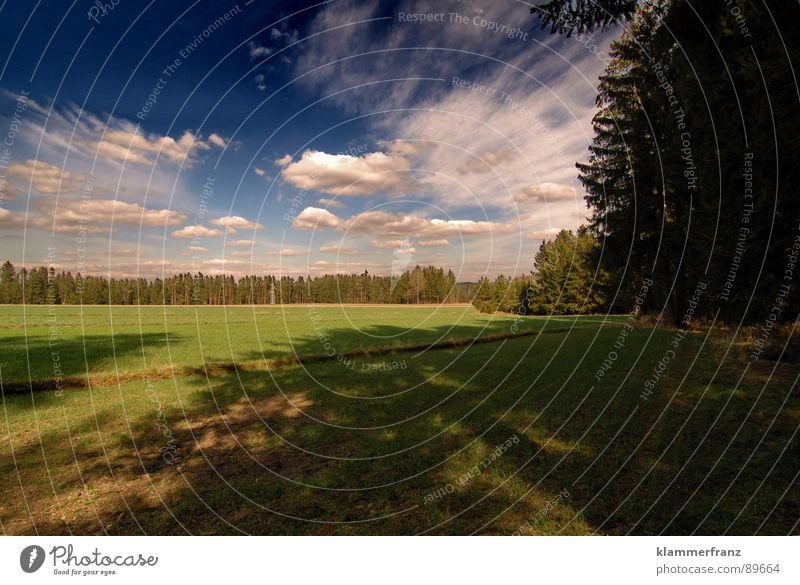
point(44, 286)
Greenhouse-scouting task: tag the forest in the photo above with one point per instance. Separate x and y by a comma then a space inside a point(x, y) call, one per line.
point(44, 286)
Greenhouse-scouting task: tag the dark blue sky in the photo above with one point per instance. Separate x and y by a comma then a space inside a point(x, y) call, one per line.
point(418, 132)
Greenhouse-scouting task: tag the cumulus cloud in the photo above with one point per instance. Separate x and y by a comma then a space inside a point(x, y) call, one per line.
point(259, 171)
point(545, 192)
point(196, 231)
point(347, 175)
point(542, 117)
point(197, 249)
point(218, 140)
point(45, 178)
point(234, 222)
point(313, 217)
point(396, 225)
point(284, 160)
point(393, 224)
point(126, 142)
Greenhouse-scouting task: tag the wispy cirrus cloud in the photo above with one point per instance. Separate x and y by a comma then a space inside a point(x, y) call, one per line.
point(546, 192)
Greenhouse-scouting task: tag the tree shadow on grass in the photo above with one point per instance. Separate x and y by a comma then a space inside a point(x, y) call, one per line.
point(341, 447)
point(36, 364)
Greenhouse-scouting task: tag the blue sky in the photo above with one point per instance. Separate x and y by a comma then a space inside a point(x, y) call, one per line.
point(288, 137)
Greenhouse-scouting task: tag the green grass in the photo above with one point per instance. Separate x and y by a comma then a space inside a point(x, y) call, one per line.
point(323, 448)
point(104, 343)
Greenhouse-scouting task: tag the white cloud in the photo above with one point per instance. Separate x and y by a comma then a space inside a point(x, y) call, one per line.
point(291, 252)
point(196, 231)
point(336, 249)
point(486, 162)
point(72, 138)
point(45, 178)
point(392, 224)
point(531, 128)
point(289, 36)
point(98, 215)
point(389, 244)
point(125, 142)
point(405, 251)
point(93, 216)
point(258, 51)
point(259, 171)
point(240, 243)
point(81, 132)
point(313, 217)
point(11, 220)
point(346, 175)
point(218, 140)
point(197, 249)
point(284, 160)
point(234, 222)
point(397, 225)
point(432, 243)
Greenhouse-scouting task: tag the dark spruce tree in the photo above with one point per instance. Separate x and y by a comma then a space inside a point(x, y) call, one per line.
point(569, 16)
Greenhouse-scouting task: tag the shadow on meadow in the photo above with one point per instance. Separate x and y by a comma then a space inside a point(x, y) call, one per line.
point(366, 445)
point(35, 363)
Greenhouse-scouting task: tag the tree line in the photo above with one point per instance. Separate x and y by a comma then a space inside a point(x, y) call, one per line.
point(44, 286)
point(565, 281)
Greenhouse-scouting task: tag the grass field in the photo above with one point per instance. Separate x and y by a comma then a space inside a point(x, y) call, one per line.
point(386, 420)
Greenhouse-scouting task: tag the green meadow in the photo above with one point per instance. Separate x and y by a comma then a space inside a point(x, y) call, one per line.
point(386, 420)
